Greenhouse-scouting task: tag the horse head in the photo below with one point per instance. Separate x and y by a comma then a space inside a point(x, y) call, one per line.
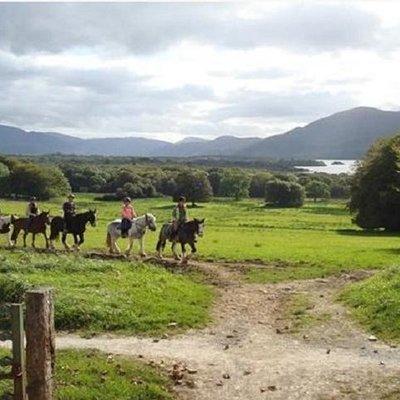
point(92, 217)
point(151, 222)
point(45, 216)
point(199, 223)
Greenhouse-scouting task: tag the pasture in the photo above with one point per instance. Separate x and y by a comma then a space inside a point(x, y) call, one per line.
point(314, 241)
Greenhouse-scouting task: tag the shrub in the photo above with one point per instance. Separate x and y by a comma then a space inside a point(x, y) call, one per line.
point(317, 190)
point(235, 183)
point(284, 193)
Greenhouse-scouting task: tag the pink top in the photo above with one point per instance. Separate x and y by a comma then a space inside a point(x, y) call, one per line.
point(128, 212)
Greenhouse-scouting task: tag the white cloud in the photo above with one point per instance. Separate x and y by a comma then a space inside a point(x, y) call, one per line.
point(170, 70)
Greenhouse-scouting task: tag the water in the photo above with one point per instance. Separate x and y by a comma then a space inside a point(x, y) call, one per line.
point(346, 167)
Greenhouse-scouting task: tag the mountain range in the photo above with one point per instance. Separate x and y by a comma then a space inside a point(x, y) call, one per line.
point(343, 135)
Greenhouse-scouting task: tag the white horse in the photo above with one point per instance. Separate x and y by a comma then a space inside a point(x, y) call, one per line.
point(137, 231)
point(5, 226)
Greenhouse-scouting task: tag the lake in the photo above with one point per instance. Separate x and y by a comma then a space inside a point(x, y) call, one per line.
point(346, 167)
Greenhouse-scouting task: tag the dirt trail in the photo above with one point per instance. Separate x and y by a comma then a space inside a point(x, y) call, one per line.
point(252, 350)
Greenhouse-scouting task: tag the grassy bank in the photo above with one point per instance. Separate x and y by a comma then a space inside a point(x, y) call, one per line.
point(375, 303)
point(88, 375)
point(96, 295)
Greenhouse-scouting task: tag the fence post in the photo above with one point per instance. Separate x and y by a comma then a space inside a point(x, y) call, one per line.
point(40, 345)
point(18, 352)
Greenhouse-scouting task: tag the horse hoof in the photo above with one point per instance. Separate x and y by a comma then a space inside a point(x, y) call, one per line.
point(184, 261)
point(143, 255)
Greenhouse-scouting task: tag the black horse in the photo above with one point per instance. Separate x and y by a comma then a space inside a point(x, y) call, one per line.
point(187, 233)
point(76, 228)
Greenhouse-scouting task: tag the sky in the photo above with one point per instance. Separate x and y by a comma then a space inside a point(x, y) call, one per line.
point(171, 70)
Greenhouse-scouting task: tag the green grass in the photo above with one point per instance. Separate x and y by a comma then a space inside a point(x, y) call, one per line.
point(96, 295)
point(91, 375)
point(375, 302)
point(317, 234)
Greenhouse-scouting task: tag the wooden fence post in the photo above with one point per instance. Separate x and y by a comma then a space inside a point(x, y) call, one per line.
point(40, 345)
point(18, 351)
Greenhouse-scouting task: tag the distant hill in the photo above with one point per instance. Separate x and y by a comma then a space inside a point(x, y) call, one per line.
point(344, 135)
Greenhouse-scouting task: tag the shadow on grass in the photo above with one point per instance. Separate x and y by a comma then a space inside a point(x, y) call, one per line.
point(326, 210)
point(365, 233)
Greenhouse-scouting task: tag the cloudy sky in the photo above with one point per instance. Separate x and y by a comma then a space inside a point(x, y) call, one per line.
point(194, 69)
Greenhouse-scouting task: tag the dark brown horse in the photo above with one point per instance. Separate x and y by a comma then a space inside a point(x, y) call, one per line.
point(186, 235)
point(35, 225)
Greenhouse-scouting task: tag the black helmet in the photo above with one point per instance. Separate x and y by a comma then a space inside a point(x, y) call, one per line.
point(127, 200)
point(182, 198)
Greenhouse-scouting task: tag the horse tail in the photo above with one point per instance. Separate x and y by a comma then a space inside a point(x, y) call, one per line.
point(108, 240)
point(162, 237)
point(55, 228)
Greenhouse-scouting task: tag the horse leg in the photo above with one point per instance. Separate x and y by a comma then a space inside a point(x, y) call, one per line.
point(33, 239)
point(81, 240)
point(46, 239)
point(184, 258)
point(115, 245)
point(160, 247)
point(129, 248)
point(76, 245)
point(25, 235)
point(64, 241)
point(141, 242)
point(173, 248)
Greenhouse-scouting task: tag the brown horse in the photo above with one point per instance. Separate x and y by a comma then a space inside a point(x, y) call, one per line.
point(34, 226)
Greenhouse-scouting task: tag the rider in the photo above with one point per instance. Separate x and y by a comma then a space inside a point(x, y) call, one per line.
point(69, 209)
point(127, 215)
point(179, 215)
point(32, 210)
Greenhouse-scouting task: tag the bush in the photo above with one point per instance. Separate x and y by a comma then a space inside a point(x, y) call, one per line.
point(235, 183)
point(284, 193)
point(375, 189)
point(317, 190)
point(258, 184)
point(42, 181)
point(194, 185)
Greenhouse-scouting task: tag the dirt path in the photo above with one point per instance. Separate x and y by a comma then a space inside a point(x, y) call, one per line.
point(260, 347)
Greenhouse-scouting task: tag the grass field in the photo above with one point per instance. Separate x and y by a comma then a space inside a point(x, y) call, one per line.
point(95, 295)
point(89, 375)
point(319, 237)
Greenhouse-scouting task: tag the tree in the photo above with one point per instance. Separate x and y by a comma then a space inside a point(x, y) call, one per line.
point(258, 184)
point(235, 183)
point(317, 190)
point(194, 185)
point(284, 193)
point(214, 176)
point(4, 175)
point(44, 182)
point(375, 187)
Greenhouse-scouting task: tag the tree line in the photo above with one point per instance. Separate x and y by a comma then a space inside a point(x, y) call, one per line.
point(22, 178)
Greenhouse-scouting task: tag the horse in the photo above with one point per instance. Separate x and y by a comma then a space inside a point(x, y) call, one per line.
point(187, 233)
point(5, 224)
point(137, 231)
point(77, 228)
point(35, 225)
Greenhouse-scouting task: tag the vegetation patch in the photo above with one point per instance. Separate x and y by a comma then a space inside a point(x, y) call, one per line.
point(95, 295)
point(299, 314)
point(375, 302)
point(88, 375)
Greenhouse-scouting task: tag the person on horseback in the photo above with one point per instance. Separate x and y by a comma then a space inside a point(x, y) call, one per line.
point(179, 215)
point(32, 211)
point(69, 210)
point(127, 215)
